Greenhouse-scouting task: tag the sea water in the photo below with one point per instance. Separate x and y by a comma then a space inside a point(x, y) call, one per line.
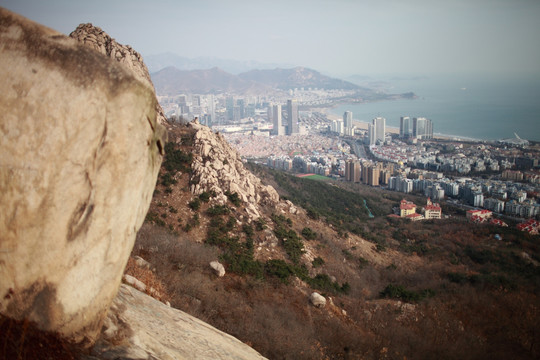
point(478, 107)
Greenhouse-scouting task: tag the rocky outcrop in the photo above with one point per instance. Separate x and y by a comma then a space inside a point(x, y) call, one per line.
point(140, 327)
point(81, 150)
point(218, 168)
point(95, 38)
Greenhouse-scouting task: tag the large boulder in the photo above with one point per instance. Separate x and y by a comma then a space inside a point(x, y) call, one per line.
point(81, 150)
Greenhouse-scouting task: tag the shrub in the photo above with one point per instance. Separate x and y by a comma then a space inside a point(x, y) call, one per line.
point(291, 242)
point(279, 269)
point(248, 230)
point(260, 224)
point(195, 204)
point(167, 179)
point(242, 262)
point(313, 214)
point(318, 261)
point(233, 198)
point(309, 234)
point(324, 283)
point(362, 262)
point(218, 210)
point(281, 220)
point(458, 278)
point(399, 292)
point(205, 196)
point(175, 159)
point(348, 255)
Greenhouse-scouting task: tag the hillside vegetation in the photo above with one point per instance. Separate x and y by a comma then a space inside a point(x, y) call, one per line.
point(395, 289)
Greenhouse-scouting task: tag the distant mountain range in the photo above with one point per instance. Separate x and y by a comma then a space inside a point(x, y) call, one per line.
point(158, 62)
point(171, 81)
point(297, 77)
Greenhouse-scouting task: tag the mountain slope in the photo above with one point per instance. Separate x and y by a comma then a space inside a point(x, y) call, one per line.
point(393, 288)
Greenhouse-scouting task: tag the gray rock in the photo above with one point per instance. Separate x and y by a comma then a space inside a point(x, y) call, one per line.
point(140, 327)
point(81, 150)
point(140, 262)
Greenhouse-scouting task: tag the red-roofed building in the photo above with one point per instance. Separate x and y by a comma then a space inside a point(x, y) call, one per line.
point(415, 217)
point(531, 226)
point(406, 208)
point(479, 216)
point(432, 210)
point(498, 222)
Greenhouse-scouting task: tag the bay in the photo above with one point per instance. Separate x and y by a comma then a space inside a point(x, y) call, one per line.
point(471, 106)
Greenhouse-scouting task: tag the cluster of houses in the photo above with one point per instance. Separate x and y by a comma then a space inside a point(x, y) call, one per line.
point(407, 210)
point(531, 226)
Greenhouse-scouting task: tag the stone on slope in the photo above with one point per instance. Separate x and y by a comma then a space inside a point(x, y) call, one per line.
point(218, 268)
point(317, 300)
point(140, 327)
point(81, 150)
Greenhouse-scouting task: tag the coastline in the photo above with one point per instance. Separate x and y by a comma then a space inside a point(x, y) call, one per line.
point(363, 125)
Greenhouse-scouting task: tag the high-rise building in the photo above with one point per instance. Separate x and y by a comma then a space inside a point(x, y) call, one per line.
point(377, 130)
point(212, 108)
point(269, 112)
point(422, 128)
point(373, 176)
point(348, 120)
point(337, 126)
point(278, 126)
point(371, 135)
point(292, 117)
point(230, 104)
point(352, 171)
point(405, 127)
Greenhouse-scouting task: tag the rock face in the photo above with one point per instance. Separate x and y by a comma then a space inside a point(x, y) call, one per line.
point(95, 38)
point(140, 327)
point(218, 167)
point(81, 150)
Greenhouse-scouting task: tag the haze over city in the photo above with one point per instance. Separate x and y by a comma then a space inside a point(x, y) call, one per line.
point(336, 37)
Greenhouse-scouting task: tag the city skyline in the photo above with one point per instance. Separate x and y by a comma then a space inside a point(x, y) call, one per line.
point(372, 37)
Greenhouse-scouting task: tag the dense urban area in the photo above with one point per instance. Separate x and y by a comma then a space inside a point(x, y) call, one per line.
point(295, 131)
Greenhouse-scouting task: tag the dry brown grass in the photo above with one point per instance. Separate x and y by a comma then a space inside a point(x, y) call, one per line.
point(154, 286)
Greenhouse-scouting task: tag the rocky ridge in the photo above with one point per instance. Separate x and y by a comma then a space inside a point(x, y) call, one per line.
point(217, 168)
point(97, 39)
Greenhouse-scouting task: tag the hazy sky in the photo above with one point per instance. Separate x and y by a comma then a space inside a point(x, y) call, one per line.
point(340, 37)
